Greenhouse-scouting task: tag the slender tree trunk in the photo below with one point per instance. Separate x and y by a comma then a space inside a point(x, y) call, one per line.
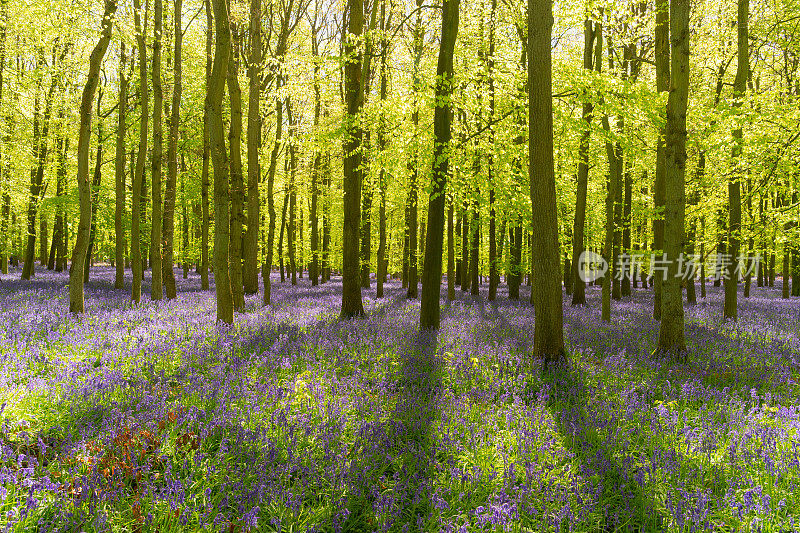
point(382, 143)
point(96, 181)
point(703, 257)
point(625, 283)
point(490, 159)
point(119, 174)
point(283, 225)
point(185, 221)
point(413, 162)
point(273, 165)
point(157, 290)
point(54, 261)
point(219, 158)
point(578, 285)
point(671, 336)
point(326, 217)
point(515, 278)
point(785, 273)
point(662, 59)
point(43, 241)
point(205, 182)
point(451, 252)
point(466, 276)
point(5, 179)
point(84, 136)
point(172, 157)
point(237, 192)
point(291, 221)
point(313, 272)
point(548, 341)
point(352, 305)
point(432, 272)
point(475, 246)
point(734, 182)
point(28, 268)
point(254, 70)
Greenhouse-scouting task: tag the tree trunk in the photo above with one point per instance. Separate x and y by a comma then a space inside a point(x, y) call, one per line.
point(283, 223)
point(432, 271)
point(291, 221)
point(451, 251)
point(28, 268)
point(273, 165)
point(119, 174)
point(382, 258)
point(625, 282)
point(326, 217)
point(219, 158)
point(5, 179)
point(172, 157)
point(84, 136)
point(352, 305)
point(465, 244)
point(548, 341)
point(313, 271)
point(785, 273)
point(157, 290)
point(579, 226)
point(671, 336)
point(205, 182)
point(185, 220)
point(475, 246)
point(96, 181)
point(703, 257)
point(254, 70)
point(237, 192)
point(490, 159)
point(734, 181)
point(662, 59)
point(413, 162)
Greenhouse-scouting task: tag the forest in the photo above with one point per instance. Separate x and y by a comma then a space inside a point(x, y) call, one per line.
point(399, 265)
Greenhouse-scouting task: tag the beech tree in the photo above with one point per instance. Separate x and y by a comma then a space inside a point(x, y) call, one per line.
point(84, 191)
point(432, 273)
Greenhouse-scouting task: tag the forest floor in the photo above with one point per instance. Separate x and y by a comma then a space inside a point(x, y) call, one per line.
point(153, 418)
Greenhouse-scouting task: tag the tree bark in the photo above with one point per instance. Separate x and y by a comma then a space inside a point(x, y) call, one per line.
point(413, 162)
point(729, 311)
point(172, 157)
point(96, 181)
point(662, 59)
point(237, 192)
point(219, 158)
point(84, 135)
point(273, 165)
point(548, 341)
point(352, 305)
point(5, 180)
point(157, 289)
point(671, 336)
point(205, 183)
point(579, 226)
point(119, 174)
point(432, 273)
point(382, 258)
point(254, 70)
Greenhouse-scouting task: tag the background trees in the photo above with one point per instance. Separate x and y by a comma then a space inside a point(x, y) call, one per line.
point(344, 101)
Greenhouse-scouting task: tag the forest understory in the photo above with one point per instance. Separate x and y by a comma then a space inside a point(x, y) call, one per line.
point(156, 417)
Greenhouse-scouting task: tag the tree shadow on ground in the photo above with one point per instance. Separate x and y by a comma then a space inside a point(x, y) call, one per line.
point(626, 504)
point(392, 478)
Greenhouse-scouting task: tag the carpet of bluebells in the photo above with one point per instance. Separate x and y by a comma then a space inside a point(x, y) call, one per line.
point(154, 418)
